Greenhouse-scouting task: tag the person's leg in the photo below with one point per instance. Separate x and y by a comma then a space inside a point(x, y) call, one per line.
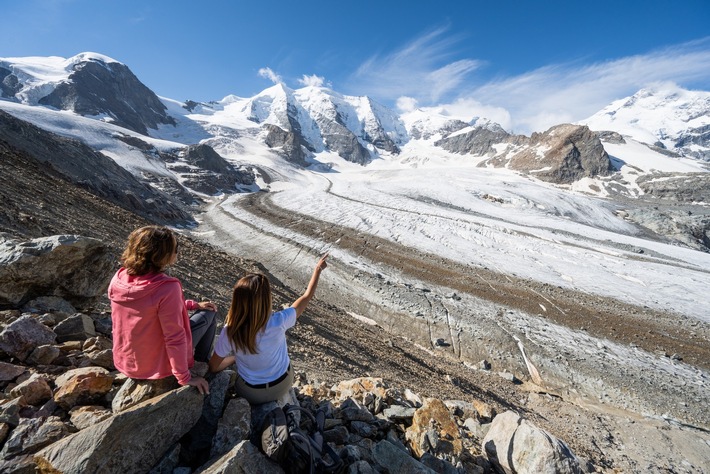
point(203, 325)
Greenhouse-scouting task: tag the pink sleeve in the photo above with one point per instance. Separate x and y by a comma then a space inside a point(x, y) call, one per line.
point(170, 315)
point(190, 305)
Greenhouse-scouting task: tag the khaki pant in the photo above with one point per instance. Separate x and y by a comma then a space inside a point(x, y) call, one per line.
point(257, 396)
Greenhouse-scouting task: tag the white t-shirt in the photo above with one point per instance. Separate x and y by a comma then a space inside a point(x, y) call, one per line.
point(271, 359)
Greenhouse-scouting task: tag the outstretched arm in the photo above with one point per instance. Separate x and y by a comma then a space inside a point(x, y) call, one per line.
point(300, 304)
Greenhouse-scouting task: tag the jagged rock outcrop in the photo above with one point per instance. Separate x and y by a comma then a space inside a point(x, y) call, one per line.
point(72, 267)
point(700, 137)
point(290, 143)
point(678, 187)
point(79, 164)
point(611, 137)
point(342, 141)
point(569, 152)
point(479, 141)
point(97, 87)
point(9, 85)
point(563, 154)
point(207, 172)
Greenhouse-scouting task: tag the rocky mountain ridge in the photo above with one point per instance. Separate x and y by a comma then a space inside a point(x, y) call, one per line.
point(299, 123)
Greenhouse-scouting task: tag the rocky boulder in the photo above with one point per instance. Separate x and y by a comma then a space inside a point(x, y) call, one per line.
point(131, 441)
point(515, 445)
point(22, 336)
point(72, 267)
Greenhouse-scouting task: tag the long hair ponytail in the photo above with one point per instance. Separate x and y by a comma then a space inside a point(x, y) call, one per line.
point(249, 311)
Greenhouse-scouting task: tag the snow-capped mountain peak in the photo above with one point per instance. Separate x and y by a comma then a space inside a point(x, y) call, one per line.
point(665, 115)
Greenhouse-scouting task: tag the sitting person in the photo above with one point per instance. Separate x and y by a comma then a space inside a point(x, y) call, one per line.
point(256, 339)
point(153, 337)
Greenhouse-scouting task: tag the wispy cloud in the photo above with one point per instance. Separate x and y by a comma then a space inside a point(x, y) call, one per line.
point(421, 69)
point(573, 91)
point(267, 73)
point(313, 80)
point(422, 73)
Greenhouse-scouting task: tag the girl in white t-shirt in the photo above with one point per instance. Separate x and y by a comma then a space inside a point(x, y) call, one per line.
point(255, 338)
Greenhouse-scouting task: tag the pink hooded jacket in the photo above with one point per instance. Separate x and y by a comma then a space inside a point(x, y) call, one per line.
point(151, 328)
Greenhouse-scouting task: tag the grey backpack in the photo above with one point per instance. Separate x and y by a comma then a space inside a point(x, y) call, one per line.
point(298, 447)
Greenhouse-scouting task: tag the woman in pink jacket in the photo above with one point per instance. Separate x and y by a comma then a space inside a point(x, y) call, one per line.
point(153, 337)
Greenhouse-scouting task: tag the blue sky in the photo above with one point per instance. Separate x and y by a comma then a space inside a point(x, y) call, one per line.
point(526, 64)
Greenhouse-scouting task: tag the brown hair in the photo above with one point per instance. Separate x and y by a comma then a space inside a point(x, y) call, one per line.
point(249, 311)
point(149, 250)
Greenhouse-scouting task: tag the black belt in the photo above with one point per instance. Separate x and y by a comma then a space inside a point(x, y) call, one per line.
point(269, 384)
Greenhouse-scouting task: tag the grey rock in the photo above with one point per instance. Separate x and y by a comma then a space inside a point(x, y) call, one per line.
point(4, 431)
point(476, 428)
point(513, 444)
point(393, 459)
point(168, 462)
point(32, 434)
point(133, 392)
point(361, 428)
point(84, 416)
point(49, 303)
point(10, 411)
point(197, 443)
point(210, 173)
point(10, 372)
point(43, 355)
point(360, 467)
point(477, 142)
point(72, 267)
point(440, 466)
point(233, 427)
point(19, 465)
point(78, 327)
point(571, 152)
point(337, 435)
point(154, 426)
point(21, 337)
point(350, 454)
point(244, 458)
point(351, 410)
point(291, 144)
point(611, 137)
